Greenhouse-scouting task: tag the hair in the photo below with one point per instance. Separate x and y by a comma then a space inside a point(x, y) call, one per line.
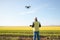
point(36, 19)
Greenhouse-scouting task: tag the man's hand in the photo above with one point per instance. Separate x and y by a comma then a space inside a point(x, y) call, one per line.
point(30, 25)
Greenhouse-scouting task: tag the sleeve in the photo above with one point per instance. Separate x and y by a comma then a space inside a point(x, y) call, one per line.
point(33, 24)
point(39, 25)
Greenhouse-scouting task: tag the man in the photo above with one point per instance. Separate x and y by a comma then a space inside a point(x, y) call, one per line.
point(35, 27)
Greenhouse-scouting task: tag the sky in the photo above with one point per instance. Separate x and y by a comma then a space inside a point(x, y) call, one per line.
point(14, 12)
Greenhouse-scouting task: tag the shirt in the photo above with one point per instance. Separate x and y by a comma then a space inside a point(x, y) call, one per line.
point(36, 26)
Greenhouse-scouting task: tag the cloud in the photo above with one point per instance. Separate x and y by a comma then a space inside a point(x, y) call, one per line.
point(42, 6)
point(28, 12)
point(48, 6)
point(52, 8)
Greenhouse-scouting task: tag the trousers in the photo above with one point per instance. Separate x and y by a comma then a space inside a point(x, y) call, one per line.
point(36, 35)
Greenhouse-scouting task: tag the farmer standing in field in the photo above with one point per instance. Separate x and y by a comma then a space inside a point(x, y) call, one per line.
point(36, 24)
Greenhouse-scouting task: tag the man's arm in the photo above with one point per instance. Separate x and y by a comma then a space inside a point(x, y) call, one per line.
point(39, 25)
point(32, 25)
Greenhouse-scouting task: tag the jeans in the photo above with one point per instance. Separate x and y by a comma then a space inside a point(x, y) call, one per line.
point(36, 35)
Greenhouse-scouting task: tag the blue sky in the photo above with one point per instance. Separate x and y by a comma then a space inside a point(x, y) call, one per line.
point(14, 13)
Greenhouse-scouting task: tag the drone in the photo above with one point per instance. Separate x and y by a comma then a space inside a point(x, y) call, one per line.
point(27, 7)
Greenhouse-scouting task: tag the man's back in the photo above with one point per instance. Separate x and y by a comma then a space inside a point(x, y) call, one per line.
point(36, 26)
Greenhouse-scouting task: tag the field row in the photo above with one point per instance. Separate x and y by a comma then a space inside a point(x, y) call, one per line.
point(29, 32)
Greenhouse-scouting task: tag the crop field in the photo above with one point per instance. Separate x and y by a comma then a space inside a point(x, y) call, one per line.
point(53, 32)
